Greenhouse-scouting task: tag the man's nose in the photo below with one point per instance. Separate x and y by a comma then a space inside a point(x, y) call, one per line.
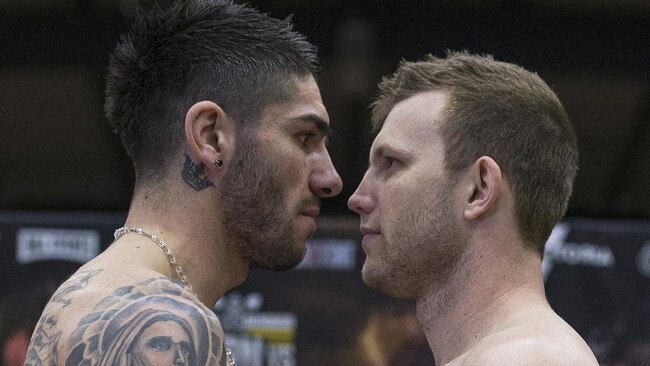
point(361, 201)
point(325, 180)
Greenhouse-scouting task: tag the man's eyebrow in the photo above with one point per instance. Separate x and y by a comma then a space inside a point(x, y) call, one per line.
point(322, 125)
point(383, 149)
point(375, 152)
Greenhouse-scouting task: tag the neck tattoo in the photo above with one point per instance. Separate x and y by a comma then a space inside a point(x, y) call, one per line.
point(173, 262)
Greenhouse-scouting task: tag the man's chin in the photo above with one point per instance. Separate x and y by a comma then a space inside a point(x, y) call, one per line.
point(304, 228)
point(371, 277)
point(289, 259)
point(379, 279)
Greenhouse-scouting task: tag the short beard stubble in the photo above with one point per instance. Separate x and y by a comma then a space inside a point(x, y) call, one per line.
point(256, 216)
point(422, 250)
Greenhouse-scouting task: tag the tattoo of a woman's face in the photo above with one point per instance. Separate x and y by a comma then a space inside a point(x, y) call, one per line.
point(155, 322)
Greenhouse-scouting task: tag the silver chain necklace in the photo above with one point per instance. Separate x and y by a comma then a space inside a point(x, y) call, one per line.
point(170, 257)
point(174, 263)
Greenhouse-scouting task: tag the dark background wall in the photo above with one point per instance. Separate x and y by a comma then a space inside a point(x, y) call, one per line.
point(57, 151)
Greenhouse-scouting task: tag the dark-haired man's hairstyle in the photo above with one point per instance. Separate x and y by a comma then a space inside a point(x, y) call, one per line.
point(499, 110)
point(196, 50)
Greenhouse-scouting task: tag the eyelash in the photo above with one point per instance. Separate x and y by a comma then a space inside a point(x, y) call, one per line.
point(304, 137)
point(390, 161)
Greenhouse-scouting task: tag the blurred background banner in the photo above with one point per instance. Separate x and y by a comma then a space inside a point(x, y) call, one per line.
point(598, 279)
point(321, 313)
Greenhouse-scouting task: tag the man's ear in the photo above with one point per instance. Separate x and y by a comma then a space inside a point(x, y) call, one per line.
point(483, 189)
point(209, 132)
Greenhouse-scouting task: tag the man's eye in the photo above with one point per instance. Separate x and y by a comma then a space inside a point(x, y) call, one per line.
point(304, 137)
point(392, 162)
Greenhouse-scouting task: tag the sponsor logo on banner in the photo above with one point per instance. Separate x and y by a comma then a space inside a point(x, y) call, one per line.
point(643, 259)
point(39, 244)
point(559, 251)
point(330, 254)
point(257, 338)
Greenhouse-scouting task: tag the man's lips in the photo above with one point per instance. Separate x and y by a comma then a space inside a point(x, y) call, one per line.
point(311, 212)
point(367, 231)
point(368, 236)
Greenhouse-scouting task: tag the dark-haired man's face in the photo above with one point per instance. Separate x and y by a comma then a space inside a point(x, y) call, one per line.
point(272, 190)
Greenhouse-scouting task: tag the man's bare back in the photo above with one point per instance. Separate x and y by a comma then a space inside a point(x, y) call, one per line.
point(137, 319)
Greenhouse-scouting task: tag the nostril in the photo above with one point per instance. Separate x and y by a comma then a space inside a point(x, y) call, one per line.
point(327, 190)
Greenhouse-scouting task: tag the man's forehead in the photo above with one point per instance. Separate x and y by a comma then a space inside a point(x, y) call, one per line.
point(410, 124)
point(426, 105)
point(305, 103)
point(413, 123)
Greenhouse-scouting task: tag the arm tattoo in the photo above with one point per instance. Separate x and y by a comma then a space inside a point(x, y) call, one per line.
point(155, 322)
point(194, 175)
point(46, 337)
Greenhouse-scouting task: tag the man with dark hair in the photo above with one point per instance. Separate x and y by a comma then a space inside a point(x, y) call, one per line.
point(472, 167)
point(218, 107)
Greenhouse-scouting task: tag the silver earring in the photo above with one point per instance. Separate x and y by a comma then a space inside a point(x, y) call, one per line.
point(218, 163)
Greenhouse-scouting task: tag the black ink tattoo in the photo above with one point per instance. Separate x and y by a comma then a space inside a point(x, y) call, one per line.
point(194, 175)
point(155, 322)
point(45, 340)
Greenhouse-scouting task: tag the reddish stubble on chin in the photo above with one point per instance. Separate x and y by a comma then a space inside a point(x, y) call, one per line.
point(375, 266)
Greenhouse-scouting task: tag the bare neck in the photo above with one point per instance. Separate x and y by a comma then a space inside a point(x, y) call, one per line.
point(192, 233)
point(484, 293)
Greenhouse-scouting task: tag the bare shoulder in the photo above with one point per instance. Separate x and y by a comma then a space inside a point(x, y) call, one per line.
point(560, 348)
point(153, 321)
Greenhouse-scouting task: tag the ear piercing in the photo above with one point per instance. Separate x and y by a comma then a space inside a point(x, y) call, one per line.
point(218, 163)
